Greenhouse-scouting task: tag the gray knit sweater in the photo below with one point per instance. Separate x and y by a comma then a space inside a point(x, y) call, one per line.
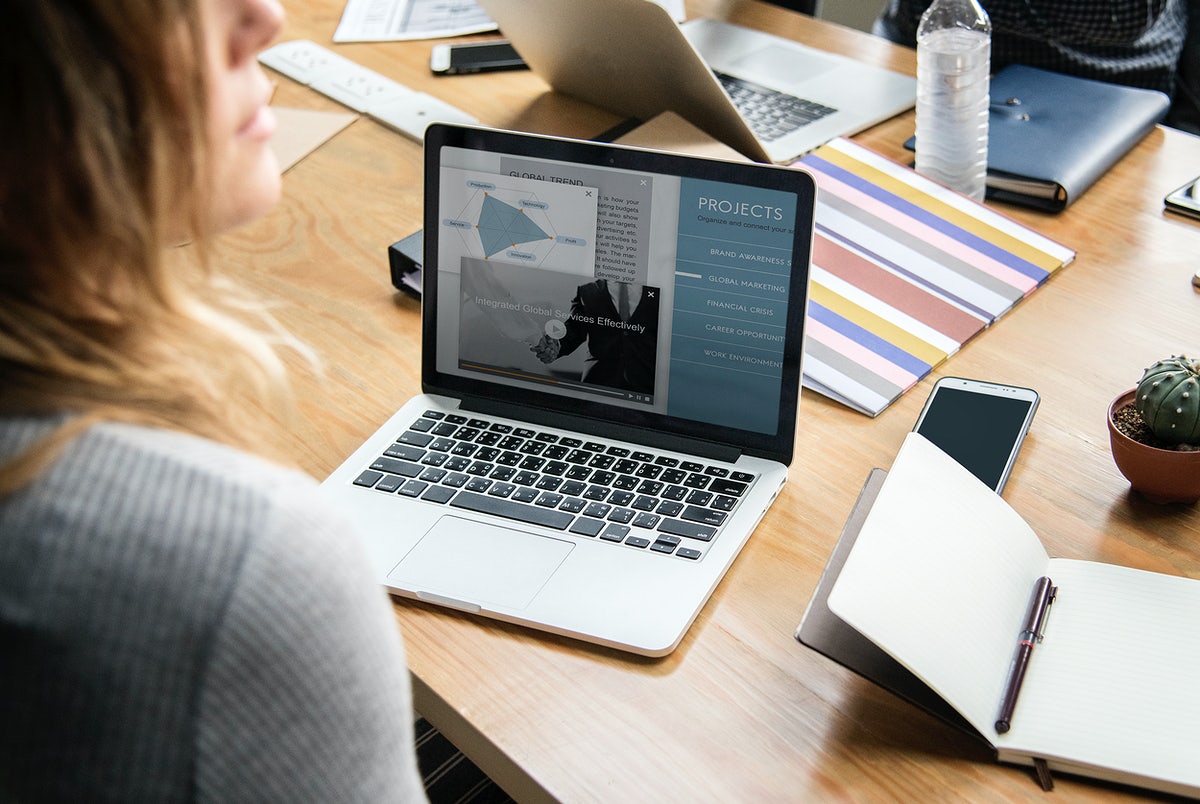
point(182, 621)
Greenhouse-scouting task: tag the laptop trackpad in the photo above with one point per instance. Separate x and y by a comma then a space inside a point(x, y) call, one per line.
point(784, 65)
point(475, 563)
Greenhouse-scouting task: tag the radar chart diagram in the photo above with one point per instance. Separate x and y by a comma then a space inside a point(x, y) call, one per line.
point(504, 226)
point(519, 219)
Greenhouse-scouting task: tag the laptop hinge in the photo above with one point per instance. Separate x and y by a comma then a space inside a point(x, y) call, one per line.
point(605, 429)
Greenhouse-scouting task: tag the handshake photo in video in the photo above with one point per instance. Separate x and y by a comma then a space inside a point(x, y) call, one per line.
point(600, 332)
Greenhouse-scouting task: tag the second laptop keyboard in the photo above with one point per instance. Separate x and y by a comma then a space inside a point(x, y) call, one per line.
point(771, 114)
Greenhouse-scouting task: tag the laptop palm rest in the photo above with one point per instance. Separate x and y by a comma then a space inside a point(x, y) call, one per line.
point(467, 564)
point(784, 65)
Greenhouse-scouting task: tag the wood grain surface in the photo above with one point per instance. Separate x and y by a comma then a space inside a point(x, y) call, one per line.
point(741, 711)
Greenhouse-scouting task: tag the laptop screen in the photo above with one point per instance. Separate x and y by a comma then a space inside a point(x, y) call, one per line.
point(627, 287)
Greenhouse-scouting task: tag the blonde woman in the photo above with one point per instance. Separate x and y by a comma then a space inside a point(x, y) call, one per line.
point(178, 618)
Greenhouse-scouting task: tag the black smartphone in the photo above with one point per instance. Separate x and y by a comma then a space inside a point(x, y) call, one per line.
point(474, 57)
point(980, 424)
point(1185, 200)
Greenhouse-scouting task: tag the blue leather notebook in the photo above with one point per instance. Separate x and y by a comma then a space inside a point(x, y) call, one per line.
point(1051, 136)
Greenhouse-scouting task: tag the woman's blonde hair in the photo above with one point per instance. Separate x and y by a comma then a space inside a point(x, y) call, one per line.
point(102, 155)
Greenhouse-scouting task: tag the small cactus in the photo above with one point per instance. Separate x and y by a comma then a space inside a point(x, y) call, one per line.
point(1168, 397)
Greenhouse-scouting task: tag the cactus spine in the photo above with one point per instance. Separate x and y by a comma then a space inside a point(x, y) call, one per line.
point(1168, 397)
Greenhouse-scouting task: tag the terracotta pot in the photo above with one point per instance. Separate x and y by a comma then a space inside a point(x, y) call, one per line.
point(1159, 475)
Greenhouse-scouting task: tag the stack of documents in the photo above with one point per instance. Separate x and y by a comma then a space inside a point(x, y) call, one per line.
point(904, 273)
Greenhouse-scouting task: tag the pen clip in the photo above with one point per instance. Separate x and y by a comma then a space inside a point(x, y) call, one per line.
point(1051, 596)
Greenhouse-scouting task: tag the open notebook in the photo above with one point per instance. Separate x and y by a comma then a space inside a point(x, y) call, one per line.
point(1110, 691)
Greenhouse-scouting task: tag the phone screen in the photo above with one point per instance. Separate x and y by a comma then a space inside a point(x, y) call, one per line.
point(980, 430)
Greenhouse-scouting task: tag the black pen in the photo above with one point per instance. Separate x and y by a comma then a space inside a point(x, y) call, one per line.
point(1035, 620)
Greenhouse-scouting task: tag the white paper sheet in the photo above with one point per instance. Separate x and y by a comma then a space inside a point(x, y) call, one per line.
point(940, 577)
point(396, 20)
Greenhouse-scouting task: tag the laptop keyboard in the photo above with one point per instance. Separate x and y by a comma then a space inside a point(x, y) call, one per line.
point(770, 113)
point(610, 492)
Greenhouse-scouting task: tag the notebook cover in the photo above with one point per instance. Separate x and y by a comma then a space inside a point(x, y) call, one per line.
point(904, 272)
point(1062, 136)
point(1066, 131)
point(826, 633)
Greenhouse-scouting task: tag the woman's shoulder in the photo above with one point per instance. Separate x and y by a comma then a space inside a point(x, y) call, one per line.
point(131, 445)
point(190, 453)
point(177, 570)
point(121, 488)
point(167, 526)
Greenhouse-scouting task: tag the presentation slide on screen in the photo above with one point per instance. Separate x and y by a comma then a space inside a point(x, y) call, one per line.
point(595, 282)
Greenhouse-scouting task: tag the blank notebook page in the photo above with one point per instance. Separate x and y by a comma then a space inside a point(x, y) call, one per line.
point(940, 577)
point(1116, 681)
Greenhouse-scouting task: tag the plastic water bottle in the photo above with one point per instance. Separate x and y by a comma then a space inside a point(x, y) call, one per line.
point(954, 55)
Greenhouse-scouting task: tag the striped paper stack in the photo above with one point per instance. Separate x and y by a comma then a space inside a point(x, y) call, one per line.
point(904, 272)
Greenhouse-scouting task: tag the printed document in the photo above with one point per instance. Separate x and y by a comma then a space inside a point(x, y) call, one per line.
point(396, 20)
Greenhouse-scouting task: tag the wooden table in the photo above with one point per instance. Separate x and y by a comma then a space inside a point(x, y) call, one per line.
point(741, 711)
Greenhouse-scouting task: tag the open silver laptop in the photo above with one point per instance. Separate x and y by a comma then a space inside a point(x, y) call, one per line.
point(771, 98)
point(610, 364)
